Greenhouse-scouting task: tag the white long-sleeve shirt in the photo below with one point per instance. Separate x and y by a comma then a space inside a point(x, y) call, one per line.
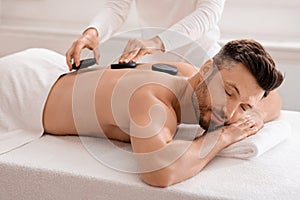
point(179, 21)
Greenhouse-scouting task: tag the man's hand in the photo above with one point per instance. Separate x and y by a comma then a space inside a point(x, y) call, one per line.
point(256, 117)
point(136, 48)
point(246, 126)
point(89, 39)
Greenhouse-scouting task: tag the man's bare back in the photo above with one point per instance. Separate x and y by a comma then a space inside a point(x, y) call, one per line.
point(59, 114)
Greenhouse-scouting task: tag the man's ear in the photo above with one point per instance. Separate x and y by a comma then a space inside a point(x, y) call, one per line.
point(207, 68)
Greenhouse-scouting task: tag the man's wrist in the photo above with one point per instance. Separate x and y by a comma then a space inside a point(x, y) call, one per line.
point(224, 141)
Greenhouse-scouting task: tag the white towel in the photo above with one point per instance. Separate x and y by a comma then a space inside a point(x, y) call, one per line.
point(269, 136)
point(25, 81)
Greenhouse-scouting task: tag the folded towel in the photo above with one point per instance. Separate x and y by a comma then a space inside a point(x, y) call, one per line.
point(269, 136)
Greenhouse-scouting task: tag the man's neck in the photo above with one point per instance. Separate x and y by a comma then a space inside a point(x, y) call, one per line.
point(189, 112)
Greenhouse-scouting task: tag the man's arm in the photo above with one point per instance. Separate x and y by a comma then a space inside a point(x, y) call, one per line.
point(163, 161)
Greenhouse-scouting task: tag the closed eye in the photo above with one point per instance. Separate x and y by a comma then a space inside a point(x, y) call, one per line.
point(246, 107)
point(227, 93)
point(243, 108)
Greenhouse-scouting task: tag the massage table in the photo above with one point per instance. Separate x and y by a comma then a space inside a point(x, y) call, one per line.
point(61, 167)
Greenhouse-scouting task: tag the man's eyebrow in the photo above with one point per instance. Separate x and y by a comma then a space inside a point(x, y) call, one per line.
point(234, 86)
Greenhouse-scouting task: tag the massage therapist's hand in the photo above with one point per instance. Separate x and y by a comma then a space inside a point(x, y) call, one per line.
point(89, 39)
point(136, 48)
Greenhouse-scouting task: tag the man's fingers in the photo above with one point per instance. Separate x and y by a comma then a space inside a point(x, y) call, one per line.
point(239, 122)
point(246, 132)
point(247, 124)
point(251, 130)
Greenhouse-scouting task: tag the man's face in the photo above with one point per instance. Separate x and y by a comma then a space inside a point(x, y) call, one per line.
point(226, 95)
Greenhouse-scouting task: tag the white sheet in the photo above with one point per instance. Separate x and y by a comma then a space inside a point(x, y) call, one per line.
point(26, 78)
point(55, 167)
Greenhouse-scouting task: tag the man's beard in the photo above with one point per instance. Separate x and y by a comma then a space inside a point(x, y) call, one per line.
point(206, 109)
point(207, 123)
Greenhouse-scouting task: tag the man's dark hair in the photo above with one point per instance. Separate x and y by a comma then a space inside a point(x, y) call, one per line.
point(254, 56)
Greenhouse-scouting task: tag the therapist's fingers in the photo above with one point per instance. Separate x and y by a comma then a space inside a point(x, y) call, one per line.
point(127, 56)
point(131, 49)
point(141, 53)
point(69, 59)
point(77, 51)
point(136, 48)
point(135, 55)
point(97, 55)
point(69, 56)
point(73, 54)
point(89, 39)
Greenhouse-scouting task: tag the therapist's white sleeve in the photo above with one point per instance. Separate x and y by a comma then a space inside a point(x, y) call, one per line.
point(110, 18)
point(194, 26)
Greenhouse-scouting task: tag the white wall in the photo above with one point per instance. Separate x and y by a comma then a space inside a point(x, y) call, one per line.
point(55, 24)
point(276, 24)
point(52, 24)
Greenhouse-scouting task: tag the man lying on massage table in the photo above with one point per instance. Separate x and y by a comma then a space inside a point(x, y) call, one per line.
point(227, 97)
